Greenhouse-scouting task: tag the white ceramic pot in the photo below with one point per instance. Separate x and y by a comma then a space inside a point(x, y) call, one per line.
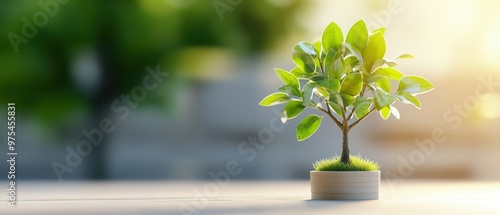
point(345, 185)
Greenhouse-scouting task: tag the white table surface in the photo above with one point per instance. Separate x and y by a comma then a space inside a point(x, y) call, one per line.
point(247, 197)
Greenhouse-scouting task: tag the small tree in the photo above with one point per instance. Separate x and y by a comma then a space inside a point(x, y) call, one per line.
point(344, 79)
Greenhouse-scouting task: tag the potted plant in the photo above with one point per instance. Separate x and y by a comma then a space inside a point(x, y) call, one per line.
point(346, 80)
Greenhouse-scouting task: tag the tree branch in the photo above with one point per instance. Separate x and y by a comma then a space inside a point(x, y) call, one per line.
point(351, 114)
point(364, 89)
point(359, 120)
point(354, 109)
point(343, 116)
point(329, 113)
point(321, 65)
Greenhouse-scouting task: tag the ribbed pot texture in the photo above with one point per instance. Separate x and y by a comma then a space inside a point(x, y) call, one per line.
point(345, 185)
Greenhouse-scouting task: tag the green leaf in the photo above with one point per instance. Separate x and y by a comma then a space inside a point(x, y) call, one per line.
point(299, 73)
point(323, 85)
point(354, 51)
point(274, 99)
point(317, 64)
point(389, 72)
point(317, 48)
point(332, 37)
point(283, 118)
point(352, 61)
point(405, 56)
point(290, 90)
point(304, 61)
point(336, 108)
point(316, 104)
point(320, 81)
point(334, 64)
point(292, 109)
point(362, 106)
point(347, 99)
point(384, 84)
point(394, 112)
point(331, 85)
point(305, 47)
point(379, 30)
point(288, 78)
point(381, 62)
point(378, 63)
point(347, 69)
point(307, 92)
point(317, 79)
point(375, 50)
point(336, 98)
point(391, 63)
point(330, 56)
point(373, 78)
point(308, 126)
point(336, 103)
point(407, 98)
point(352, 84)
point(414, 85)
point(358, 35)
point(322, 91)
point(382, 99)
point(385, 112)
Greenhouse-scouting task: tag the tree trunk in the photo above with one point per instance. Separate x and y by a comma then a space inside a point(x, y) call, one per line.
point(345, 158)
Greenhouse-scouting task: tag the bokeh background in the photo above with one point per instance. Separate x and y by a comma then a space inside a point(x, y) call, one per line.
point(220, 56)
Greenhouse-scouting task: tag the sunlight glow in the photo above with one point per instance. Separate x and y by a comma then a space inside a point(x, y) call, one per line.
point(491, 45)
point(489, 106)
point(463, 14)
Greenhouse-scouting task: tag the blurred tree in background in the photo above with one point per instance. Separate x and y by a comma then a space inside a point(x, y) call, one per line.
point(90, 52)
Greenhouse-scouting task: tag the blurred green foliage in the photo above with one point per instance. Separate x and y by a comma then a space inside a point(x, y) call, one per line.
point(126, 36)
